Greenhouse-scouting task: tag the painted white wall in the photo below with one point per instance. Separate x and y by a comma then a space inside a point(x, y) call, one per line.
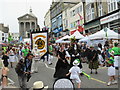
point(76, 16)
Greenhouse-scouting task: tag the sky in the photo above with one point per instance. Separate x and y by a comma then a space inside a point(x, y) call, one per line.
point(10, 10)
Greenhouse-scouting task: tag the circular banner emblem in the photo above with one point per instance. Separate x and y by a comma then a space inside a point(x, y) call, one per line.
point(40, 43)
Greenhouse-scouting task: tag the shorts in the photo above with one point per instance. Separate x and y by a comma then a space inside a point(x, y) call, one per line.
point(76, 79)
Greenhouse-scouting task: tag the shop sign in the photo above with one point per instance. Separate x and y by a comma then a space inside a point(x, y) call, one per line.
point(58, 30)
point(109, 18)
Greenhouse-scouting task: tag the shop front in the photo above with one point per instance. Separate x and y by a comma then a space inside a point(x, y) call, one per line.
point(92, 26)
point(57, 31)
point(112, 21)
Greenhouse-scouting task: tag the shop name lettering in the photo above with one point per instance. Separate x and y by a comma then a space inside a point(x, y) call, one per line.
point(115, 16)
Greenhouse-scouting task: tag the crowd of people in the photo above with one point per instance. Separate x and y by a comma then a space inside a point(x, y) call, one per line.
point(106, 55)
point(69, 64)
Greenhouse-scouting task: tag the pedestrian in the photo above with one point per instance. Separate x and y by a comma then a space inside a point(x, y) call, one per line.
point(116, 50)
point(74, 73)
point(111, 71)
point(5, 76)
point(12, 57)
point(50, 54)
point(92, 57)
point(36, 60)
point(5, 59)
point(62, 65)
point(25, 76)
point(74, 51)
point(20, 53)
point(100, 58)
point(25, 51)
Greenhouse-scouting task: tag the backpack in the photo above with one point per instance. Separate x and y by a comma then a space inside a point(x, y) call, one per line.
point(19, 69)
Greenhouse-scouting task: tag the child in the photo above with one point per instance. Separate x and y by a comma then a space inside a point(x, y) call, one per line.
point(111, 70)
point(75, 71)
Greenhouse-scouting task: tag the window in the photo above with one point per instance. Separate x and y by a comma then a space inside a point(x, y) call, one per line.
point(90, 14)
point(73, 13)
point(77, 10)
point(80, 9)
point(112, 5)
point(100, 9)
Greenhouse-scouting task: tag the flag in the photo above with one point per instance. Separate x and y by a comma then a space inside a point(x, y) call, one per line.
point(40, 39)
point(80, 16)
point(20, 39)
point(10, 38)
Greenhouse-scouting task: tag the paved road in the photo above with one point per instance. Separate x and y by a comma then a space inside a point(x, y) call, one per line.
point(46, 72)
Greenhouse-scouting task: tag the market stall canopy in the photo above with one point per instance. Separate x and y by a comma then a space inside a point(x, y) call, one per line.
point(105, 33)
point(62, 40)
point(77, 35)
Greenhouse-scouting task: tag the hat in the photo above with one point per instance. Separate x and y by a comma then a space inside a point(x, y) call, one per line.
point(76, 62)
point(38, 85)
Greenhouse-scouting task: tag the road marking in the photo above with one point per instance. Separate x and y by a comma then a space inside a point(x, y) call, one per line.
point(91, 78)
point(11, 81)
point(98, 80)
point(49, 67)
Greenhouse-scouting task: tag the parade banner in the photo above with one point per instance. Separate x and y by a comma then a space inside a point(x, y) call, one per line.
point(40, 39)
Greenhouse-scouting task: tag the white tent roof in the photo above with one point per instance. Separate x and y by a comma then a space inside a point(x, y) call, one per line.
point(65, 37)
point(61, 40)
point(77, 35)
point(102, 34)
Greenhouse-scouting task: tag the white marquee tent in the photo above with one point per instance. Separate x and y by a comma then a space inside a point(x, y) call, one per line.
point(61, 40)
point(77, 35)
point(102, 34)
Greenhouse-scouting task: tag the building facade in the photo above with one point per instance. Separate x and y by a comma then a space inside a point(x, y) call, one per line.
point(56, 11)
point(101, 14)
point(87, 17)
point(76, 18)
point(27, 23)
point(47, 21)
point(112, 18)
point(15, 36)
point(4, 30)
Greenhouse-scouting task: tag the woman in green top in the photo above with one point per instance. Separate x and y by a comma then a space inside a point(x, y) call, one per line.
point(116, 50)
